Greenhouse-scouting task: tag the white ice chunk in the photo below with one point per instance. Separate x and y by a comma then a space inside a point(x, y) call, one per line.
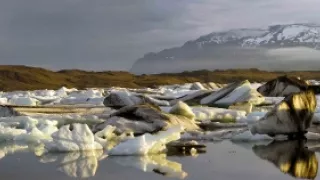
point(3, 101)
point(8, 134)
point(46, 99)
point(36, 135)
point(75, 137)
point(23, 101)
point(197, 86)
point(157, 101)
point(235, 94)
point(211, 135)
point(183, 109)
point(80, 101)
point(108, 139)
point(252, 117)
point(147, 143)
point(247, 136)
point(316, 117)
point(209, 113)
point(273, 100)
point(313, 136)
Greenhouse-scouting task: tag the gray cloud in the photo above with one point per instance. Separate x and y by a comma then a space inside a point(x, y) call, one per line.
point(112, 34)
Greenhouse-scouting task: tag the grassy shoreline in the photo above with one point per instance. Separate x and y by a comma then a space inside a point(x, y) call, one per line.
point(32, 78)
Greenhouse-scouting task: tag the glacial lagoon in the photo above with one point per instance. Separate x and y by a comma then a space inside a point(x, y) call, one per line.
point(223, 160)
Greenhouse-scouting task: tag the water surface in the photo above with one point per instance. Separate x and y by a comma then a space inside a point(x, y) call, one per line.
point(224, 160)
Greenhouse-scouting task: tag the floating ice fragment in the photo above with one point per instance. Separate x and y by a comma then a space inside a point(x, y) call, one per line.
point(147, 143)
point(247, 136)
point(75, 137)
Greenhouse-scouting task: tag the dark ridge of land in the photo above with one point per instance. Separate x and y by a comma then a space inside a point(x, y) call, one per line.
point(32, 78)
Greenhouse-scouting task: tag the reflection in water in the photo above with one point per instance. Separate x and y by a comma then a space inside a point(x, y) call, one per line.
point(85, 164)
point(154, 163)
point(10, 148)
point(290, 157)
point(76, 164)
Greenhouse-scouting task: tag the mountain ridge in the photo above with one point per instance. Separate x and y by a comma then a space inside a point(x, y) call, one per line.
point(255, 47)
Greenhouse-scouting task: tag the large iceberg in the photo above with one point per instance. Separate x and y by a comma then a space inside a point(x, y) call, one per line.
point(292, 116)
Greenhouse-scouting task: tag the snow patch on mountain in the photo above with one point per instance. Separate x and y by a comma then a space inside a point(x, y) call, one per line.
point(295, 33)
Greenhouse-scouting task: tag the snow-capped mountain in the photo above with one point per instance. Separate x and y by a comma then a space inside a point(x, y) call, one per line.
point(241, 48)
point(287, 34)
point(279, 34)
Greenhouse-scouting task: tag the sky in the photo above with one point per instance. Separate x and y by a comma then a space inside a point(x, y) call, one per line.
point(113, 34)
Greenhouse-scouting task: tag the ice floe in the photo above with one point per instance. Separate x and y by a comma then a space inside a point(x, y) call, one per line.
point(23, 101)
point(75, 137)
point(147, 143)
point(247, 136)
point(210, 113)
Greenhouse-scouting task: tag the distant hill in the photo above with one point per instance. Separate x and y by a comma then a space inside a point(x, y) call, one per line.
point(31, 78)
point(280, 47)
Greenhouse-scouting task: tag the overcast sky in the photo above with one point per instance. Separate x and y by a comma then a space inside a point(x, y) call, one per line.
point(112, 34)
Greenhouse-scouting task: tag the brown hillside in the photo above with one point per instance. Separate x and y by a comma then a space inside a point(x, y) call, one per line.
point(30, 78)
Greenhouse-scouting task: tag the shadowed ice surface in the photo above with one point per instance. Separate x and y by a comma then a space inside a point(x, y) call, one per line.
point(223, 160)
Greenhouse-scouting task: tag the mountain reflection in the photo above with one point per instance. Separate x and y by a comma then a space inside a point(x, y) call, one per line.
point(291, 157)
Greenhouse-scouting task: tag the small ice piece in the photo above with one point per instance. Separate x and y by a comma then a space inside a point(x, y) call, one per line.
point(273, 100)
point(108, 139)
point(46, 99)
point(316, 118)
point(62, 92)
point(75, 137)
point(247, 136)
point(253, 117)
point(197, 86)
point(156, 101)
point(27, 122)
point(23, 101)
point(182, 109)
point(3, 101)
point(81, 101)
point(8, 134)
point(147, 143)
point(121, 99)
point(312, 136)
point(212, 135)
point(44, 132)
point(210, 113)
